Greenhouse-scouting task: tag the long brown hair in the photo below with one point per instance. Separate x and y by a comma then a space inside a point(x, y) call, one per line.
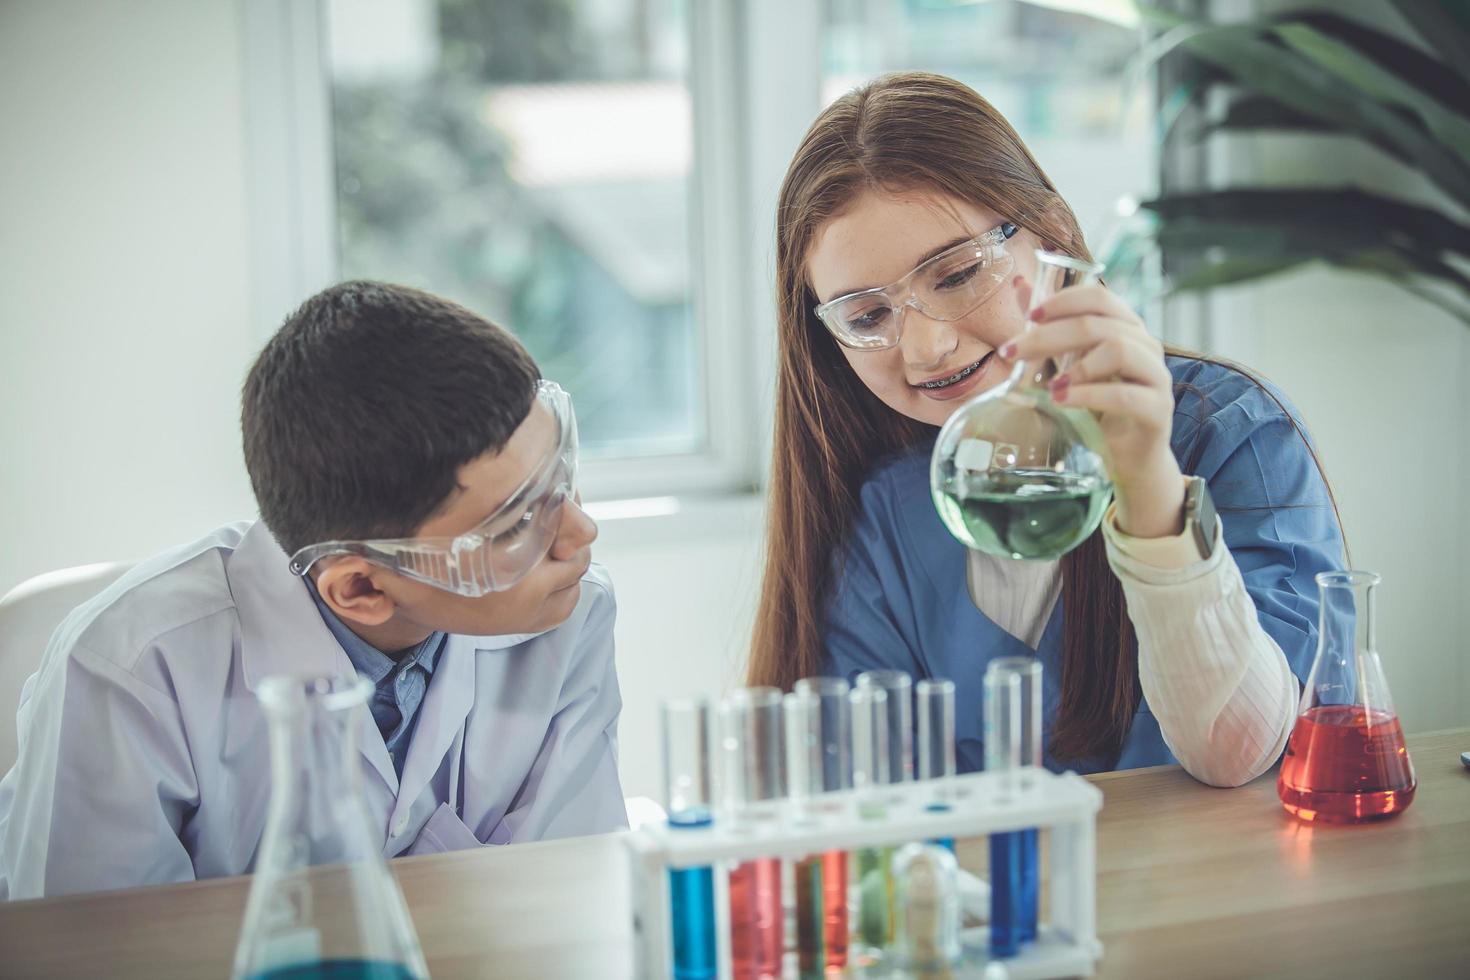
point(901, 132)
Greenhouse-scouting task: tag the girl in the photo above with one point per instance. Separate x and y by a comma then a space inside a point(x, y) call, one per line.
point(905, 241)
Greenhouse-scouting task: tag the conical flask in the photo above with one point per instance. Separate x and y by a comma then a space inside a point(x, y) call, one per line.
point(323, 905)
point(1013, 473)
point(1346, 761)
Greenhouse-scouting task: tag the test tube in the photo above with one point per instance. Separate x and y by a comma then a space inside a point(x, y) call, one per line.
point(1005, 710)
point(876, 909)
point(935, 700)
point(870, 749)
point(819, 761)
point(754, 783)
point(1027, 670)
point(687, 800)
point(927, 938)
point(899, 688)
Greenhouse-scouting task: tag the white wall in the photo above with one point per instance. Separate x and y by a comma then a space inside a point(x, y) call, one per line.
point(123, 283)
point(686, 588)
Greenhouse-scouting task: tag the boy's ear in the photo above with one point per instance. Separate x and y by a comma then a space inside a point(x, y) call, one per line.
point(347, 587)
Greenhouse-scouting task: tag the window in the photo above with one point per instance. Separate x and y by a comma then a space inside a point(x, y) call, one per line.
point(531, 160)
point(600, 176)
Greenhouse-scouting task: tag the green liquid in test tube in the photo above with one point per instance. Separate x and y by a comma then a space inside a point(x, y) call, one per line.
point(819, 763)
point(889, 696)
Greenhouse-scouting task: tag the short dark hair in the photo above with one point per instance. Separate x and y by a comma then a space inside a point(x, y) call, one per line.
point(360, 411)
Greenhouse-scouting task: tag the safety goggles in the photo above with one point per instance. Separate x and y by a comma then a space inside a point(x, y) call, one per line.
point(502, 549)
point(946, 287)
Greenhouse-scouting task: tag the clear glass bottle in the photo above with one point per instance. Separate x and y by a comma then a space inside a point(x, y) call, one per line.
point(1013, 473)
point(1346, 761)
point(927, 934)
point(323, 904)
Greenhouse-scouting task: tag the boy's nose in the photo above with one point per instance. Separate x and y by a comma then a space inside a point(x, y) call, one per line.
point(576, 531)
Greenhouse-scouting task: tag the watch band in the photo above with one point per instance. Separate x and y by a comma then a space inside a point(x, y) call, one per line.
point(1199, 515)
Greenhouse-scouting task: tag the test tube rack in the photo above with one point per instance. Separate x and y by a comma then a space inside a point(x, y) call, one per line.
point(972, 805)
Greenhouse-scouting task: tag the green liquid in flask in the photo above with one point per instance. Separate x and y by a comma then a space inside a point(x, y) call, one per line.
point(1036, 515)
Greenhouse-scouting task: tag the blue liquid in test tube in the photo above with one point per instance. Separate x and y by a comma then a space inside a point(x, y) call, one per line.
point(687, 785)
point(1013, 740)
point(935, 700)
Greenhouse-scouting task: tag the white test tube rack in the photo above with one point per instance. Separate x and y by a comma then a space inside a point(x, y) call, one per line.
point(978, 804)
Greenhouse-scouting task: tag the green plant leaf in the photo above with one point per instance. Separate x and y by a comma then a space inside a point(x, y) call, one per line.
point(1347, 214)
point(1283, 75)
point(1257, 112)
point(1408, 61)
point(1234, 269)
point(1368, 77)
point(1445, 25)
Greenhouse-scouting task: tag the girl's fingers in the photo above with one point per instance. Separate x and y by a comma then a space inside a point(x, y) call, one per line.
point(1095, 300)
point(1022, 290)
point(1072, 335)
point(1125, 357)
point(1139, 402)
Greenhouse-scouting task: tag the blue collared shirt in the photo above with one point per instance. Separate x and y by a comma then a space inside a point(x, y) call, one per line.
point(901, 602)
point(400, 684)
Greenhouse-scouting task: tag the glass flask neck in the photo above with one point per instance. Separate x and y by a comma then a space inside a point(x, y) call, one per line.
point(1054, 273)
point(1347, 614)
point(1347, 670)
point(1034, 376)
point(316, 781)
point(322, 895)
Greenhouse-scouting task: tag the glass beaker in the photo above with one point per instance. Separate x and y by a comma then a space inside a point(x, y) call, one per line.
point(323, 904)
point(1013, 473)
point(1346, 761)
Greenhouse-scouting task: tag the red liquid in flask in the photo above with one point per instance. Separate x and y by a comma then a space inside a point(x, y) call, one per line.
point(1346, 764)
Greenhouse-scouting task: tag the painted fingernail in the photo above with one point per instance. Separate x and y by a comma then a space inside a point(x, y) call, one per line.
point(1059, 386)
point(1018, 280)
point(1008, 350)
point(1037, 314)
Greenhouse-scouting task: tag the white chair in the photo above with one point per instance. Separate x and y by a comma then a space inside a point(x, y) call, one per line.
point(29, 614)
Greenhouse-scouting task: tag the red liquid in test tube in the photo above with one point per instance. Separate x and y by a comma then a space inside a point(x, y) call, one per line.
point(757, 941)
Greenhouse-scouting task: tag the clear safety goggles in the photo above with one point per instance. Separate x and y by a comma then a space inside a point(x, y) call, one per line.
point(504, 547)
point(946, 287)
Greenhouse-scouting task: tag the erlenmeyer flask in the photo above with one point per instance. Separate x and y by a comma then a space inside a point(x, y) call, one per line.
point(323, 905)
point(1014, 474)
point(1346, 761)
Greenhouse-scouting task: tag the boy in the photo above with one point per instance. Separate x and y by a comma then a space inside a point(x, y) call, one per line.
point(419, 527)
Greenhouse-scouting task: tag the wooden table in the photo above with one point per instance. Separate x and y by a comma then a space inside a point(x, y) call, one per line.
point(1192, 882)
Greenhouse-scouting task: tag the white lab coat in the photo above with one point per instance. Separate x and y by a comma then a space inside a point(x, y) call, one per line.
point(144, 755)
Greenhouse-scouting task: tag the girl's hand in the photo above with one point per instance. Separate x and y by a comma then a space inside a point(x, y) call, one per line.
point(1118, 372)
